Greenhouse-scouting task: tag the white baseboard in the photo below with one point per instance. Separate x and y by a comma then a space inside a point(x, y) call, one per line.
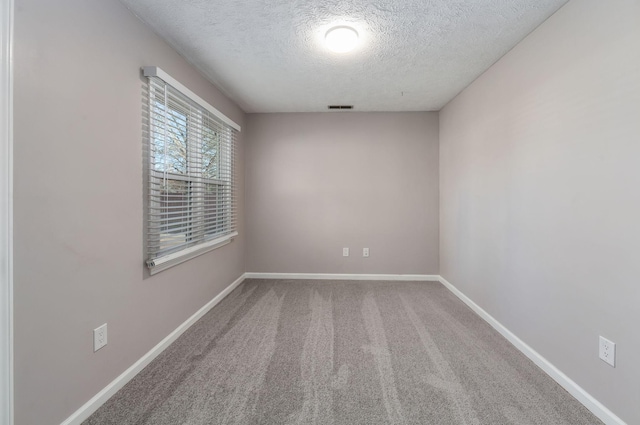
point(330, 276)
point(597, 408)
point(99, 399)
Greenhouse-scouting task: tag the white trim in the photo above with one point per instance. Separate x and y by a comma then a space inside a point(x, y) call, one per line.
point(329, 276)
point(6, 213)
point(154, 71)
point(99, 399)
point(597, 408)
point(162, 263)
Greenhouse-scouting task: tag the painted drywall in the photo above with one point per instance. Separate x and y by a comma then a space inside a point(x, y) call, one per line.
point(539, 195)
point(79, 207)
point(318, 182)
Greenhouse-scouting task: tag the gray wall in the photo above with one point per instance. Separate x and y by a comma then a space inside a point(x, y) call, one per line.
point(319, 182)
point(78, 205)
point(540, 199)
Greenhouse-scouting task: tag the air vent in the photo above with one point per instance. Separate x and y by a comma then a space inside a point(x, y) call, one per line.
point(340, 106)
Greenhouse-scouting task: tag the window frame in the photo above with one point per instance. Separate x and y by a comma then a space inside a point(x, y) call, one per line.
point(197, 222)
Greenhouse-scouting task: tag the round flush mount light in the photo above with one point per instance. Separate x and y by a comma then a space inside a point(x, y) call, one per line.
point(341, 39)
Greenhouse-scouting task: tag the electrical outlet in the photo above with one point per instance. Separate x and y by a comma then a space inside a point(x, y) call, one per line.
point(365, 252)
point(345, 252)
point(608, 351)
point(99, 337)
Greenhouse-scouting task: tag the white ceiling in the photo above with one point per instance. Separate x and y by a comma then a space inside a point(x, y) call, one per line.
point(414, 55)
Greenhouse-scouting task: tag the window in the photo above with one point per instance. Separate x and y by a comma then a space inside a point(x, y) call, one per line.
point(190, 190)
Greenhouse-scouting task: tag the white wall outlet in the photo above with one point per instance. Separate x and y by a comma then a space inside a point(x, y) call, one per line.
point(608, 351)
point(365, 252)
point(99, 337)
point(345, 252)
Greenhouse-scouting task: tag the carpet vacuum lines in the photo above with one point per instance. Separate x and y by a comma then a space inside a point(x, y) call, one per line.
point(380, 351)
point(447, 381)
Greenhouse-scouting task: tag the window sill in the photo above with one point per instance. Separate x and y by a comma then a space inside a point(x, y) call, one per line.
point(159, 264)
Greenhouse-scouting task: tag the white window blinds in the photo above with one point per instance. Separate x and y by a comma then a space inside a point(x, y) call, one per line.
point(190, 190)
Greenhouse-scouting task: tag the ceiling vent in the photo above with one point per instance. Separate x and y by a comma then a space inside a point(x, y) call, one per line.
point(340, 107)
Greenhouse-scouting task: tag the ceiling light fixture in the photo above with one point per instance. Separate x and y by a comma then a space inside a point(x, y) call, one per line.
point(341, 39)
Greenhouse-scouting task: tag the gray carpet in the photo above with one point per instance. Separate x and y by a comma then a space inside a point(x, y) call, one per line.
point(316, 352)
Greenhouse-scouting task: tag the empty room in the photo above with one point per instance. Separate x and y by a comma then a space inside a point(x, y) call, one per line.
point(320, 212)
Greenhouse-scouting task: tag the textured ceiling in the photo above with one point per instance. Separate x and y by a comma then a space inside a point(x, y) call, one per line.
point(413, 55)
